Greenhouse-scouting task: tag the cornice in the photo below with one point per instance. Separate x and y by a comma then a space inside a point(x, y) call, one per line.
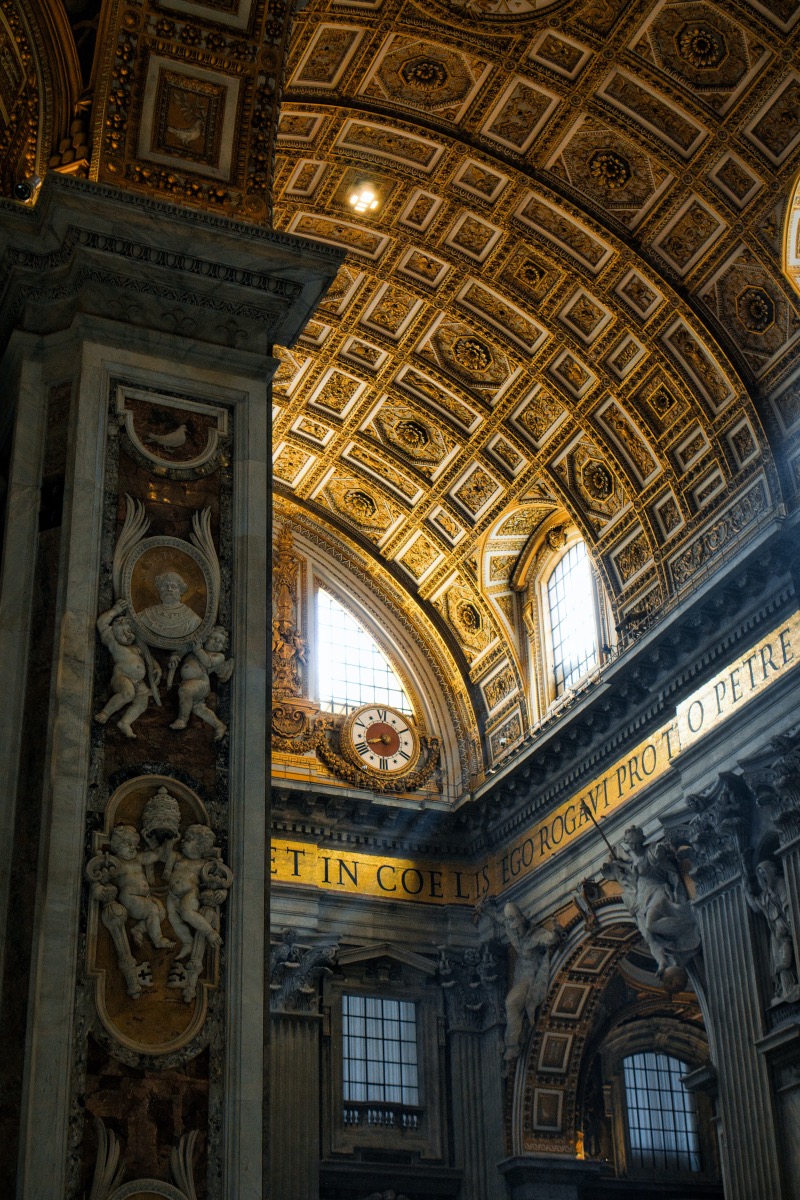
point(70, 247)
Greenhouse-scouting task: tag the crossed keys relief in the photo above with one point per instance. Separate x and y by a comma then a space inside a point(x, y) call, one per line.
point(157, 882)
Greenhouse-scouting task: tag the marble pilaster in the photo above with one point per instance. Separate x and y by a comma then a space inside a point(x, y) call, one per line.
point(734, 1001)
point(96, 286)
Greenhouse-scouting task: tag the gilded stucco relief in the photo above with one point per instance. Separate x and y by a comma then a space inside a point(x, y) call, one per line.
point(582, 296)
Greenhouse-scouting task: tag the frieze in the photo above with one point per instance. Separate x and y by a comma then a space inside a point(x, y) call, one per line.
point(747, 509)
point(722, 696)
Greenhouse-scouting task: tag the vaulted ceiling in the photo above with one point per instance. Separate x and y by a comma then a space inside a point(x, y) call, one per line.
point(570, 294)
point(570, 297)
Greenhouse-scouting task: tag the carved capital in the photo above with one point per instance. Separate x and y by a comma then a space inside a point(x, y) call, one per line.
point(774, 777)
point(715, 835)
point(473, 983)
point(295, 971)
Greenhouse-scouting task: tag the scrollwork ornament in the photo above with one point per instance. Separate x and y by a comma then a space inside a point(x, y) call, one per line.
point(296, 971)
point(715, 834)
point(783, 799)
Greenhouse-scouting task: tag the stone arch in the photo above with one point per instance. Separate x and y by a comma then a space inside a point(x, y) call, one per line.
point(548, 1093)
point(791, 236)
point(544, 1113)
point(42, 88)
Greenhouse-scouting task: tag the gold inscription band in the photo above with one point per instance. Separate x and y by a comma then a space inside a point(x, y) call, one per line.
point(706, 709)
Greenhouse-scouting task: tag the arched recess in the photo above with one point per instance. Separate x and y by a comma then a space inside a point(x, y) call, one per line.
point(791, 237)
point(431, 676)
point(40, 89)
point(596, 986)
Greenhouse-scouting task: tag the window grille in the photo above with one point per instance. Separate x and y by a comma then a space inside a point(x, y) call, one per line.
point(662, 1122)
point(573, 619)
point(352, 669)
point(379, 1052)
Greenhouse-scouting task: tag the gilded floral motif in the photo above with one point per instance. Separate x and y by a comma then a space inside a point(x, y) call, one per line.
point(477, 490)
point(610, 170)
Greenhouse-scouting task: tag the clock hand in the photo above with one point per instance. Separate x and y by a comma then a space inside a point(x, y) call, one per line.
point(384, 739)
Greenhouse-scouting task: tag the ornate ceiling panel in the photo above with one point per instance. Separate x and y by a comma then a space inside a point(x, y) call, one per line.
point(572, 281)
point(569, 298)
point(185, 97)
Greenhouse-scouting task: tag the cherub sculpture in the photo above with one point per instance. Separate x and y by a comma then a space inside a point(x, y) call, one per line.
point(132, 664)
point(187, 873)
point(196, 669)
point(125, 875)
point(133, 888)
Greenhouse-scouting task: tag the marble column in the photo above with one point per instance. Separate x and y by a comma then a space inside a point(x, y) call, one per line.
point(472, 986)
point(749, 1140)
point(477, 1091)
point(295, 1115)
point(108, 295)
point(774, 778)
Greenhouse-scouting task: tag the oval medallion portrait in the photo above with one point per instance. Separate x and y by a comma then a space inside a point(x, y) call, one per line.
point(171, 591)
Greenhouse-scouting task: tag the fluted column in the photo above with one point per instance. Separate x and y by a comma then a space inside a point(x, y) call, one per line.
point(475, 1021)
point(749, 1140)
point(295, 1108)
point(774, 778)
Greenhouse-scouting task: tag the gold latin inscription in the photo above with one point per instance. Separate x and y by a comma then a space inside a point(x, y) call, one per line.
point(706, 709)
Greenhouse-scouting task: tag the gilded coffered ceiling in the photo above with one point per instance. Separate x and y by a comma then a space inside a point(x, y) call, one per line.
point(570, 296)
point(569, 299)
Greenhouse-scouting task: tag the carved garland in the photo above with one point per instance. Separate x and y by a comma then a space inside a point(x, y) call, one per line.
point(316, 739)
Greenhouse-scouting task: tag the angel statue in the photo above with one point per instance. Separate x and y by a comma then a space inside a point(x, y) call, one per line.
point(532, 945)
point(654, 895)
point(772, 902)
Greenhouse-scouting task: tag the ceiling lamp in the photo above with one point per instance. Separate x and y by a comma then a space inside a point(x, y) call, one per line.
point(363, 199)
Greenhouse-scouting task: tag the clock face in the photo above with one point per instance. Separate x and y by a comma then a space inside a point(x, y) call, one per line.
point(381, 739)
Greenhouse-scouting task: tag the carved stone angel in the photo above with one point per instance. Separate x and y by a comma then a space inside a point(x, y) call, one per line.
point(532, 944)
point(653, 893)
point(773, 904)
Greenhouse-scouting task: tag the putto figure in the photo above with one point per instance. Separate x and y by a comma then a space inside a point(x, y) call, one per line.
point(132, 664)
point(186, 871)
point(171, 618)
point(133, 888)
point(128, 881)
point(196, 669)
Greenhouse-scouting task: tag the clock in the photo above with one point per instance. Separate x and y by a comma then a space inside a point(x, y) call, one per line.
point(380, 739)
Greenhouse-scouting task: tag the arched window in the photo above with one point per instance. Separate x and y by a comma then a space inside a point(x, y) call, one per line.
point(662, 1122)
point(572, 606)
point(351, 668)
